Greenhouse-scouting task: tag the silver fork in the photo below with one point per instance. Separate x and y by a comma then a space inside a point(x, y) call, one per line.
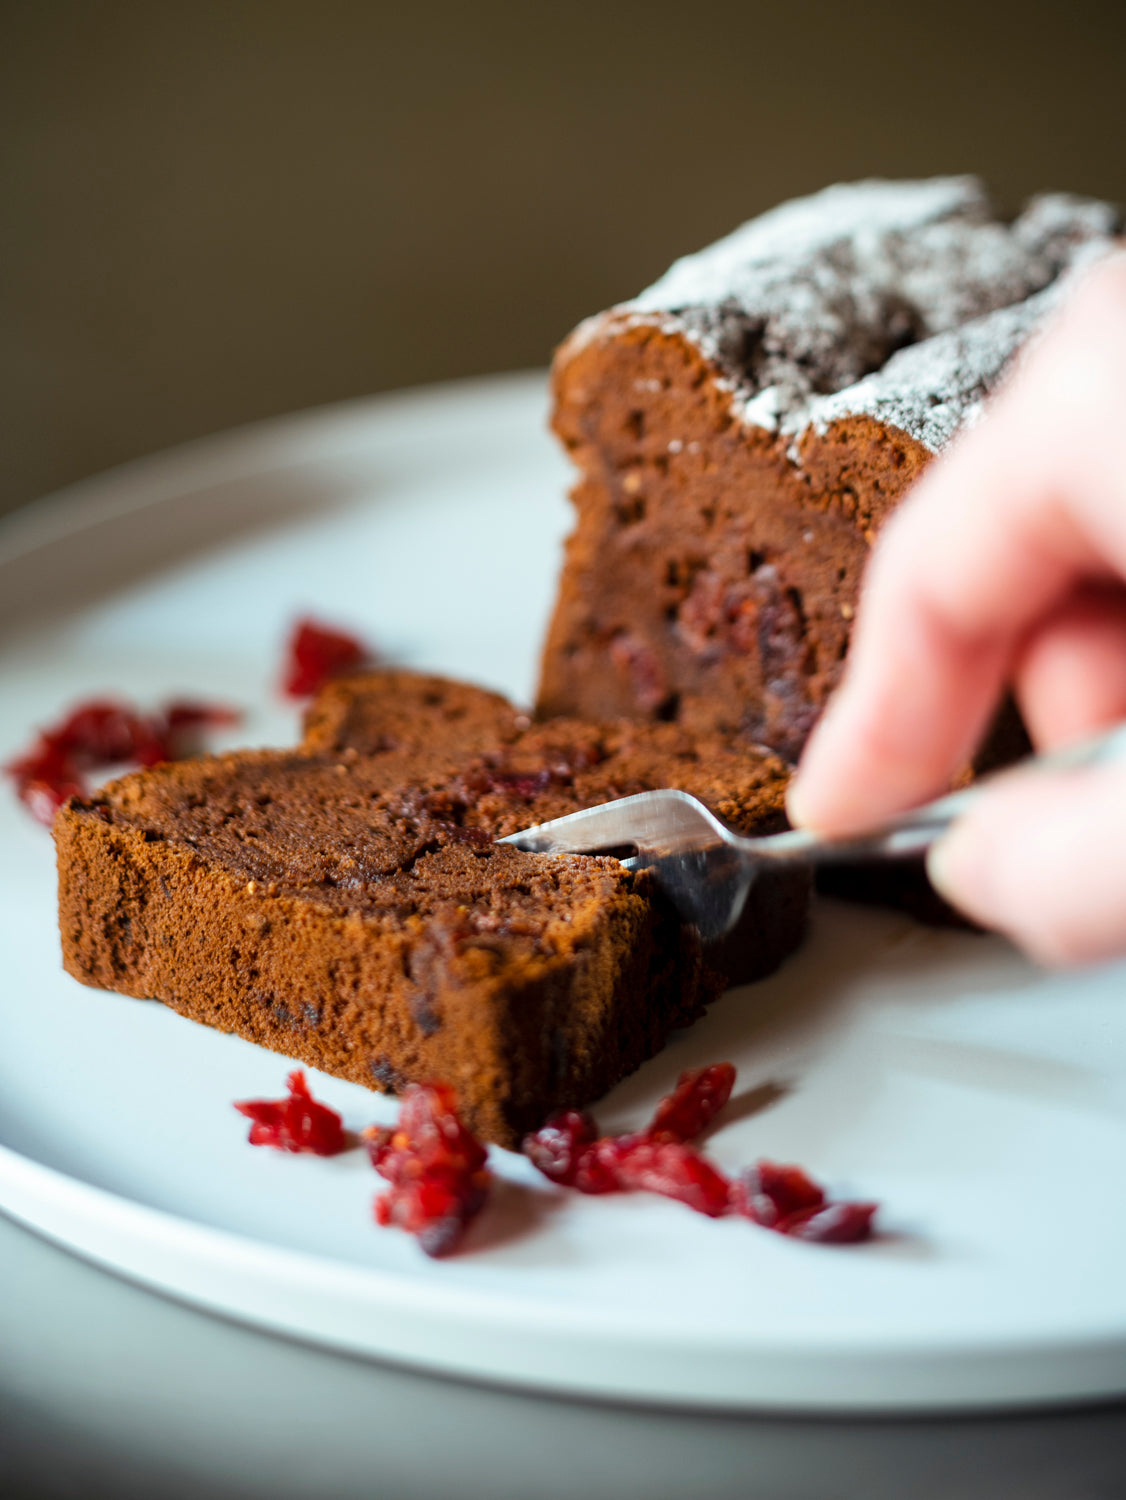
point(706, 868)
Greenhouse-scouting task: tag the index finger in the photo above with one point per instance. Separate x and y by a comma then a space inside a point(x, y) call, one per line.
point(1023, 508)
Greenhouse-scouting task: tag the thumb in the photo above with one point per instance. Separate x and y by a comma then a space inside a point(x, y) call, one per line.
point(1042, 858)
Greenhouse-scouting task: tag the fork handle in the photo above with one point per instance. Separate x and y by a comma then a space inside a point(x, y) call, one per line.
point(913, 832)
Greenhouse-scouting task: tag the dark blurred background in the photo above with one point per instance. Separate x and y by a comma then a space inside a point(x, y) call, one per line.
point(215, 212)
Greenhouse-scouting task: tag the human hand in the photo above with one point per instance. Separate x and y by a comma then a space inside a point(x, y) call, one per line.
point(1005, 566)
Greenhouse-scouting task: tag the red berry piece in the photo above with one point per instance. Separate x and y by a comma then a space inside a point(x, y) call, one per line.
point(569, 1151)
point(526, 784)
point(378, 1139)
point(295, 1123)
point(185, 717)
point(436, 1168)
point(769, 1193)
point(44, 798)
point(699, 1096)
point(641, 668)
point(99, 733)
point(317, 653)
point(672, 1169)
point(430, 1120)
point(44, 761)
point(102, 731)
point(436, 1207)
point(787, 1200)
point(563, 1150)
point(45, 777)
point(831, 1224)
point(189, 713)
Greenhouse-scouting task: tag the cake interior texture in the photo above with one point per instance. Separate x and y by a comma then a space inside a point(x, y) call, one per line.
point(351, 908)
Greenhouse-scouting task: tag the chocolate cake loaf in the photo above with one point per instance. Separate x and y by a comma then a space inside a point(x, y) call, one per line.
point(743, 428)
point(342, 911)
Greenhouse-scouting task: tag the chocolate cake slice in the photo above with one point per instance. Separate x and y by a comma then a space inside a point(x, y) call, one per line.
point(744, 427)
point(352, 910)
point(275, 897)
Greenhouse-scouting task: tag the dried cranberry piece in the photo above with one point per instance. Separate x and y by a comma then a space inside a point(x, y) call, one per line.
point(378, 1139)
point(769, 1193)
point(593, 1175)
point(520, 783)
point(557, 1145)
point(296, 1123)
point(45, 761)
point(45, 777)
point(639, 664)
point(430, 1120)
point(99, 733)
point(569, 1151)
point(700, 613)
point(699, 1096)
point(831, 1224)
point(315, 654)
point(153, 744)
point(436, 1168)
point(454, 833)
point(787, 1200)
point(564, 1150)
point(190, 713)
point(435, 1207)
point(481, 780)
point(670, 1168)
point(44, 798)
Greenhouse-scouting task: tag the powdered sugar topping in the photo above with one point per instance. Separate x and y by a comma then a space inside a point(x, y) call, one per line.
point(901, 300)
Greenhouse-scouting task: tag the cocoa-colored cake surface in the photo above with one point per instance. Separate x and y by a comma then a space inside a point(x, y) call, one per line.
point(350, 908)
point(386, 710)
point(745, 426)
point(547, 770)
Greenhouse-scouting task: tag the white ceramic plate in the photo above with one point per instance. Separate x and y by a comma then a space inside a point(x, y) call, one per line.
point(983, 1103)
